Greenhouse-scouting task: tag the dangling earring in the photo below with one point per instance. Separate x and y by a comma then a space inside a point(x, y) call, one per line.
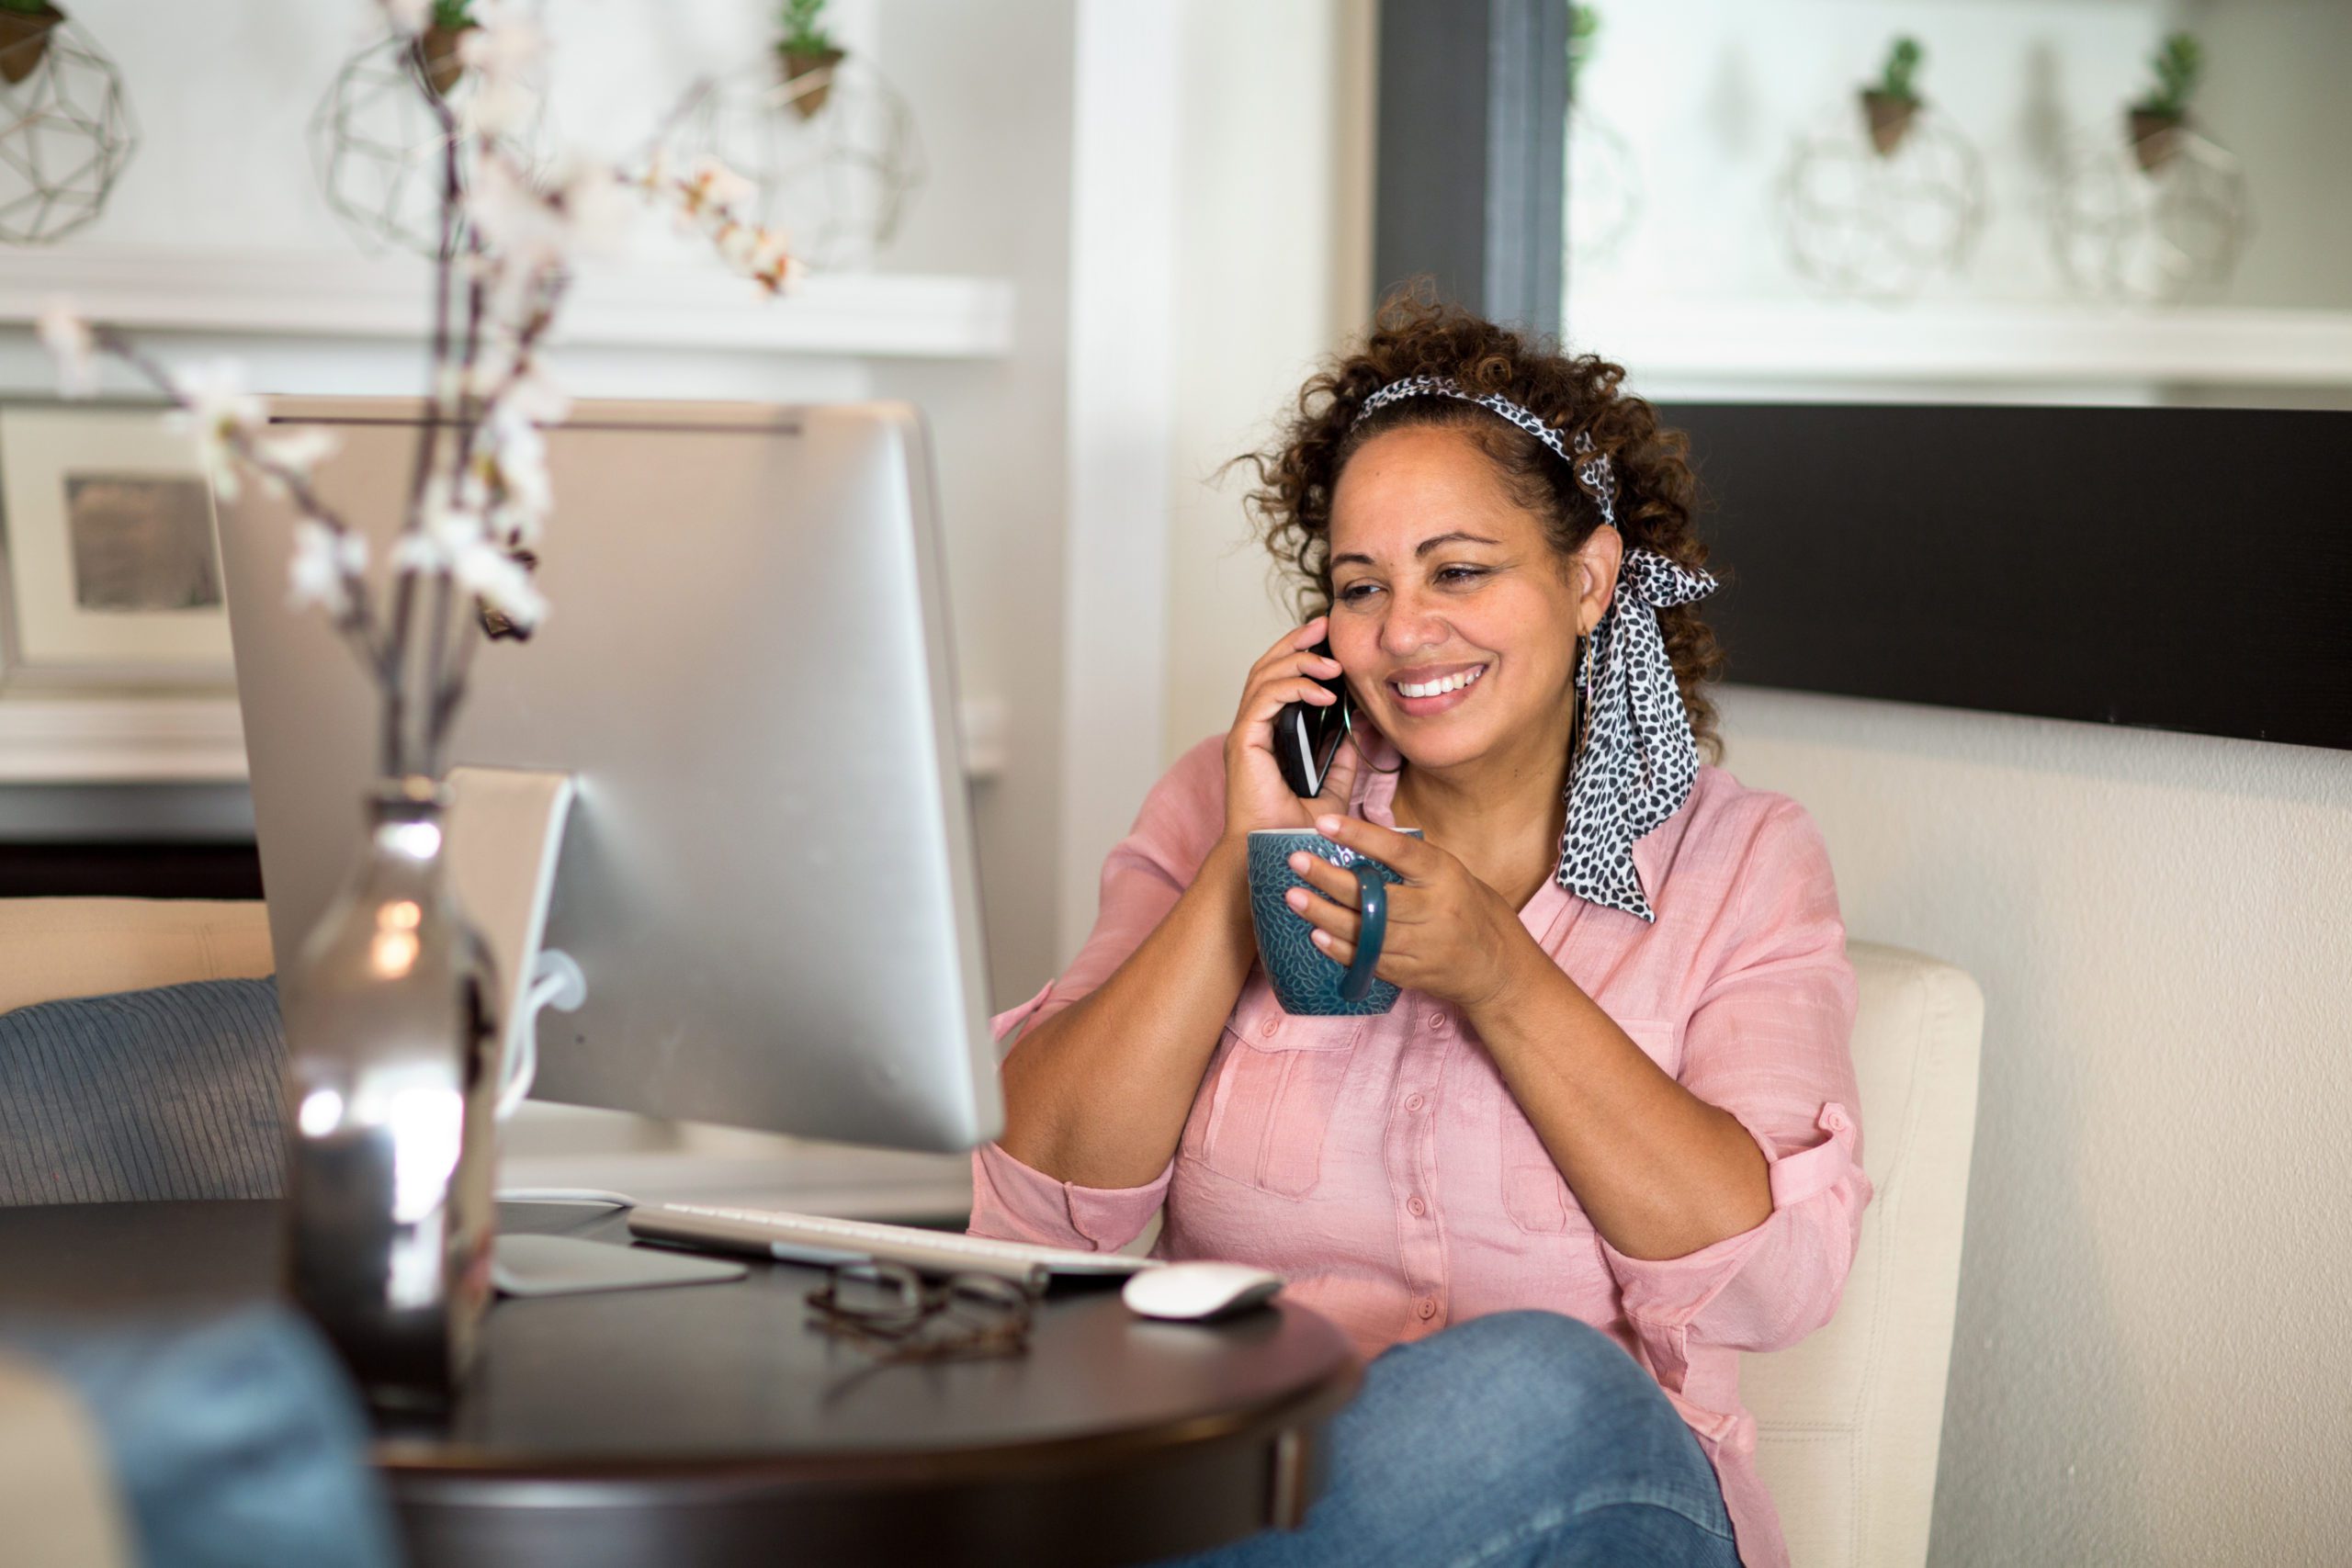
point(1579, 725)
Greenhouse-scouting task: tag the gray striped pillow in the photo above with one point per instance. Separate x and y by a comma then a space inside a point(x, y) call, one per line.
point(145, 1095)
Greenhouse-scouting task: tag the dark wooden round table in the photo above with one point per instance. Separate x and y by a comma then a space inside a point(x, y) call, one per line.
point(708, 1424)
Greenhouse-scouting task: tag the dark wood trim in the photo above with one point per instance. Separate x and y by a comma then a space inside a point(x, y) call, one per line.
point(173, 870)
point(1470, 175)
point(2171, 568)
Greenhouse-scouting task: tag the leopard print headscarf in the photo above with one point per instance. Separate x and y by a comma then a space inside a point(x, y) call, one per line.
point(1637, 760)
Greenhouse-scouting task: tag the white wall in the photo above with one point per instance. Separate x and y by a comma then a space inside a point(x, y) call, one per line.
point(2151, 1348)
point(992, 86)
point(2275, 94)
point(1275, 196)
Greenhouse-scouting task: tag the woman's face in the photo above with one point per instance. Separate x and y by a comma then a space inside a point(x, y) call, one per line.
point(1451, 614)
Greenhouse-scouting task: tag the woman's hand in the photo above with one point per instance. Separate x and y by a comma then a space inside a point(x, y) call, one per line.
point(1255, 795)
point(1450, 935)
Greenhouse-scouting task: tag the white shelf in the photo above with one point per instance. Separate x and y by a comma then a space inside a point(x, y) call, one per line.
point(629, 305)
point(2021, 344)
point(47, 739)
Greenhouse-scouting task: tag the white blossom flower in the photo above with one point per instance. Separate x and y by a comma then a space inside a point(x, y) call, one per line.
point(325, 560)
point(516, 222)
point(595, 210)
point(71, 342)
point(536, 396)
point(500, 52)
point(445, 533)
point(501, 581)
point(219, 410)
point(775, 269)
point(513, 455)
point(296, 452)
point(713, 184)
point(408, 17)
point(506, 43)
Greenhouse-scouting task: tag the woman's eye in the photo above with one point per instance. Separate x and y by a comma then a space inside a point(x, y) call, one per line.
point(1460, 574)
point(1353, 592)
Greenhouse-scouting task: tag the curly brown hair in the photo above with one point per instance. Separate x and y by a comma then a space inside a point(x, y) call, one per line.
point(1415, 334)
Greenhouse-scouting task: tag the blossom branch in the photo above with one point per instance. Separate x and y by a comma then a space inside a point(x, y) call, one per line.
point(232, 423)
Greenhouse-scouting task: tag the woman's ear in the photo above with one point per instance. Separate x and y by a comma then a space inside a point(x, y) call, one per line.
point(1597, 564)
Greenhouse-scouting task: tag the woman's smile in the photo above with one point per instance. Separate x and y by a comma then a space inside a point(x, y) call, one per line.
point(1428, 690)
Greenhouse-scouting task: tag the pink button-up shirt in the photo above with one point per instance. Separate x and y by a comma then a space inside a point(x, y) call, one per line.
point(1383, 1167)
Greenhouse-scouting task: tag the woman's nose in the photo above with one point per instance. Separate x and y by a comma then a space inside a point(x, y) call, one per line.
point(1410, 625)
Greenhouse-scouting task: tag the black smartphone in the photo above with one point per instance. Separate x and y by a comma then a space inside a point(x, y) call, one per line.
point(1307, 735)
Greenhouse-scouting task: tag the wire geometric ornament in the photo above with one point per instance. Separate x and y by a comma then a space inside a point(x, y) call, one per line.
point(377, 146)
point(1876, 224)
point(2121, 230)
point(1604, 191)
point(839, 180)
point(67, 137)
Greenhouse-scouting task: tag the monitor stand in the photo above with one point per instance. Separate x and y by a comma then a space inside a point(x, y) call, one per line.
point(505, 834)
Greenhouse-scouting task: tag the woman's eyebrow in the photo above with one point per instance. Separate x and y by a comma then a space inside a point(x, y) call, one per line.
point(1425, 547)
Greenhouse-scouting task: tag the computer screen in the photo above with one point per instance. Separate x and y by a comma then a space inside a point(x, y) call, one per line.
point(767, 874)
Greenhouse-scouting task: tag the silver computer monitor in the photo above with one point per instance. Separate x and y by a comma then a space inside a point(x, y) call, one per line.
point(767, 874)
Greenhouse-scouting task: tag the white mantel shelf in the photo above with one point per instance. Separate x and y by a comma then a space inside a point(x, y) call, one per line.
point(613, 305)
point(200, 739)
point(2018, 344)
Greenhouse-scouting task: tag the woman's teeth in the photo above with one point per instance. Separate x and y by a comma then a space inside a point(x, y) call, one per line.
point(1439, 688)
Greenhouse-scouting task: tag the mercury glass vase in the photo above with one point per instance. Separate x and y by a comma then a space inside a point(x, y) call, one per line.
point(392, 1082)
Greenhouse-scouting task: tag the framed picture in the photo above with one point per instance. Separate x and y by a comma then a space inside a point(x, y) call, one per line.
point(112, 571)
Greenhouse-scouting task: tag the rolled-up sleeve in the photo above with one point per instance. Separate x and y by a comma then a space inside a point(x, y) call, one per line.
point(1770, 1042)
point(1142, 876)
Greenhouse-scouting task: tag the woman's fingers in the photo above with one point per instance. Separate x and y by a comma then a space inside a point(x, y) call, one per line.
point(1292, 643)
point(1321, 913)
point(1267, 700)
point(1339, 949)
point(1333, 881)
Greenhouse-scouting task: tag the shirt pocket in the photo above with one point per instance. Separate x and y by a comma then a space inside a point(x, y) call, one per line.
point(1535, 1195)
point(1266, 1111)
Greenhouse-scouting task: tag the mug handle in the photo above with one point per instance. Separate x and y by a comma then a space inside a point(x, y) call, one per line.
point(1372, 903)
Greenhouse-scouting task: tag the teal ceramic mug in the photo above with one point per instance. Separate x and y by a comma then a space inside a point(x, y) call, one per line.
point(1305, 980)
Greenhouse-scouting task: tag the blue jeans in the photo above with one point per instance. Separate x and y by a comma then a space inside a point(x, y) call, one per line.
point(1523, 1439)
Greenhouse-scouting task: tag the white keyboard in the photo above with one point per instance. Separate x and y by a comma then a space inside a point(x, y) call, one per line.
point(813, 1238)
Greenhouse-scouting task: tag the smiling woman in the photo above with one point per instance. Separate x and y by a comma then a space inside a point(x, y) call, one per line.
point(1300, 477)
point(1601, 1142)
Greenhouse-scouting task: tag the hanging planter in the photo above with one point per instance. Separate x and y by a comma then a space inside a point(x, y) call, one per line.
point(436, 51)
point(23, 37)
point(66, 131)
point(2156, 138)
point(1889, 107)
point(2156, 121)
point(806, 56)
point(1889, 119)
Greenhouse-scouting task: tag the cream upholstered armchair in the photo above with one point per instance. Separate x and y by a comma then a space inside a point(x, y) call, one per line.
point(1851, 1419)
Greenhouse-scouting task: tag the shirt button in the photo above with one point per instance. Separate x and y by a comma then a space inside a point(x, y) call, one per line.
point(1268, 1027)
point(1425, 1309)
point(1415, 1206)
point(1414, 1103)
point(1440, 1023)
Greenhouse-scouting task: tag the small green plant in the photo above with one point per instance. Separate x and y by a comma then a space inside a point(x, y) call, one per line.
point(804, 27)
point(450, 16)
point(1898, 79)
point(2177, 63)
point(25, 7)
point(1584, 33)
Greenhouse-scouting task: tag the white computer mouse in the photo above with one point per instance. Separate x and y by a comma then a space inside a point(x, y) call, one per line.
point(1197, 1293)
